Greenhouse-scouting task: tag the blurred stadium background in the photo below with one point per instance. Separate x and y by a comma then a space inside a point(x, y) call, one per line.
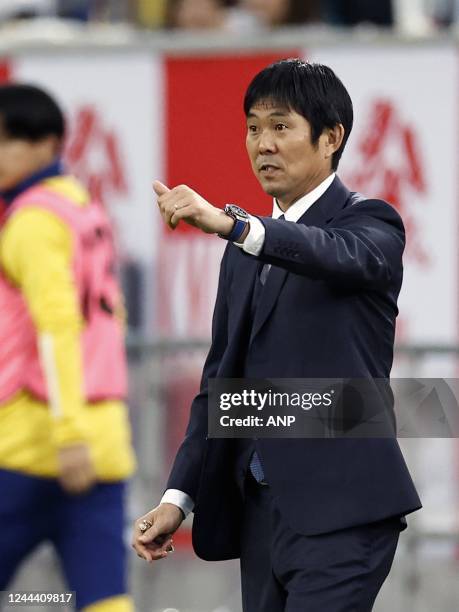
point(155, 91)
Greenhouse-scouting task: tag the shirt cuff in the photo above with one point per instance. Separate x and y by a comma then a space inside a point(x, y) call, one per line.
point(180, 499)
point(255, 239)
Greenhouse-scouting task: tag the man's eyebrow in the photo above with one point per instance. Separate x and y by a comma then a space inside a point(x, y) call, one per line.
point(273, 114)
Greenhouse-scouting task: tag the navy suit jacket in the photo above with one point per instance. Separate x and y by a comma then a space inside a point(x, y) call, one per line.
point(327, 310)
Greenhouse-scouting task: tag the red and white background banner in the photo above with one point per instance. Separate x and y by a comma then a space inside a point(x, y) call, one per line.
point(404, 149)
point(138, 116)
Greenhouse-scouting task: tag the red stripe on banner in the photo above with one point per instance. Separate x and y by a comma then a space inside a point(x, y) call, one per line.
point(182, 540)
point(5, 70)
point(205, 134)
point(205, 149)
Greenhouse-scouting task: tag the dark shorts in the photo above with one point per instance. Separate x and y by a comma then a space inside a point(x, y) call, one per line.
point(85, 530)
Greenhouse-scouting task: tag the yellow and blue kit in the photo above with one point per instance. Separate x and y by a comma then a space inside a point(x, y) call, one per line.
point(36, 256)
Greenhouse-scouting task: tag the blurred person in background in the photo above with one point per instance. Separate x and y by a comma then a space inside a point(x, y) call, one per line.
point(408, 16)
point(307, 292)
point(262, 14)
point(79, 10)
point(246, 16)
point(97, 10)
point(343, 12)
point(151, 14)
point(65, 443)
point(195, 14)
point(25, 9)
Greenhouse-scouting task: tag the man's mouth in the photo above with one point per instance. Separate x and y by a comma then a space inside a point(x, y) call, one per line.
point(268, 169)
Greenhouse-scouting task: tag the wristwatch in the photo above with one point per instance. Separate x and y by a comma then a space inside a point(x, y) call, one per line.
point(241, 219)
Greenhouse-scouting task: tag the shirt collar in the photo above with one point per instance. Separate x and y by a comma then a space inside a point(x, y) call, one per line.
point(53, 169)
point(297, 210)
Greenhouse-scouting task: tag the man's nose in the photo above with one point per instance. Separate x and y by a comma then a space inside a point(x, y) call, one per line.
point(266, 143)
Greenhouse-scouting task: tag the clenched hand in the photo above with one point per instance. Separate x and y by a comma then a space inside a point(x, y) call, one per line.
point(156, 542)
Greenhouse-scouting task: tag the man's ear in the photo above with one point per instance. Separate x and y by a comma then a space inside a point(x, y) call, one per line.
point(333, 139)
point(48, 148)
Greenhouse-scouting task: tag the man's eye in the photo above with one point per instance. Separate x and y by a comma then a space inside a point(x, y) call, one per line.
point(280, 126)
point(253, 129)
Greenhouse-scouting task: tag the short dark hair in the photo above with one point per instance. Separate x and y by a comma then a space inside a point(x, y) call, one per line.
point(29, 113)
point(312, 90)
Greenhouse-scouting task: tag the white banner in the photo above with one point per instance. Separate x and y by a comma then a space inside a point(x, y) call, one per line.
point(404, 148)
point(114, 108)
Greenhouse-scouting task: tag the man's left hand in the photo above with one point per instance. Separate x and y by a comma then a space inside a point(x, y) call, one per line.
point(183, 204)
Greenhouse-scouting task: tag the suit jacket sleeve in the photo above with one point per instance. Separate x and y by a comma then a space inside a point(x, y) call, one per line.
point(362, 246)
point(186, 471)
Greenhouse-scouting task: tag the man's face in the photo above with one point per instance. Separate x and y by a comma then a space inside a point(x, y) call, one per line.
point(21, 158)
point(282, 155)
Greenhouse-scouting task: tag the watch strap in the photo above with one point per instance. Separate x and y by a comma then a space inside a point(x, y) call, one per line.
point(236, 232)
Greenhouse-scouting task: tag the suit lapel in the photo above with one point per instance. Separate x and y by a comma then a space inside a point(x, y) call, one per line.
point(318, 214)
point(247, 270)
point(269, 294)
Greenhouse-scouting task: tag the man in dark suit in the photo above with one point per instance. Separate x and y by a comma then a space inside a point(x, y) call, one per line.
point(310, 292)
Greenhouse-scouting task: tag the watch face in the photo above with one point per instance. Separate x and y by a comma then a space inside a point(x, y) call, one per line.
point(236, 212)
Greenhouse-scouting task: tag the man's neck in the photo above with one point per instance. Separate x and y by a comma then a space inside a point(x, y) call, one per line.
point(285, 205)
point(55, 168)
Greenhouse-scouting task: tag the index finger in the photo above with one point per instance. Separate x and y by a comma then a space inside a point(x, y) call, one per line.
point(159, 188)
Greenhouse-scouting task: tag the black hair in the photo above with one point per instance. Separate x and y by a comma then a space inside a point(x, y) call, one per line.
point(312, 90)
point(29, 113)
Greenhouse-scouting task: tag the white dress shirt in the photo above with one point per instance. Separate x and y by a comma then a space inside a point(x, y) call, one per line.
point(253, 244)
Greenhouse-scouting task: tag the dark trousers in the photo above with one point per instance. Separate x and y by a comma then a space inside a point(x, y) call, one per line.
point(282, 571)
